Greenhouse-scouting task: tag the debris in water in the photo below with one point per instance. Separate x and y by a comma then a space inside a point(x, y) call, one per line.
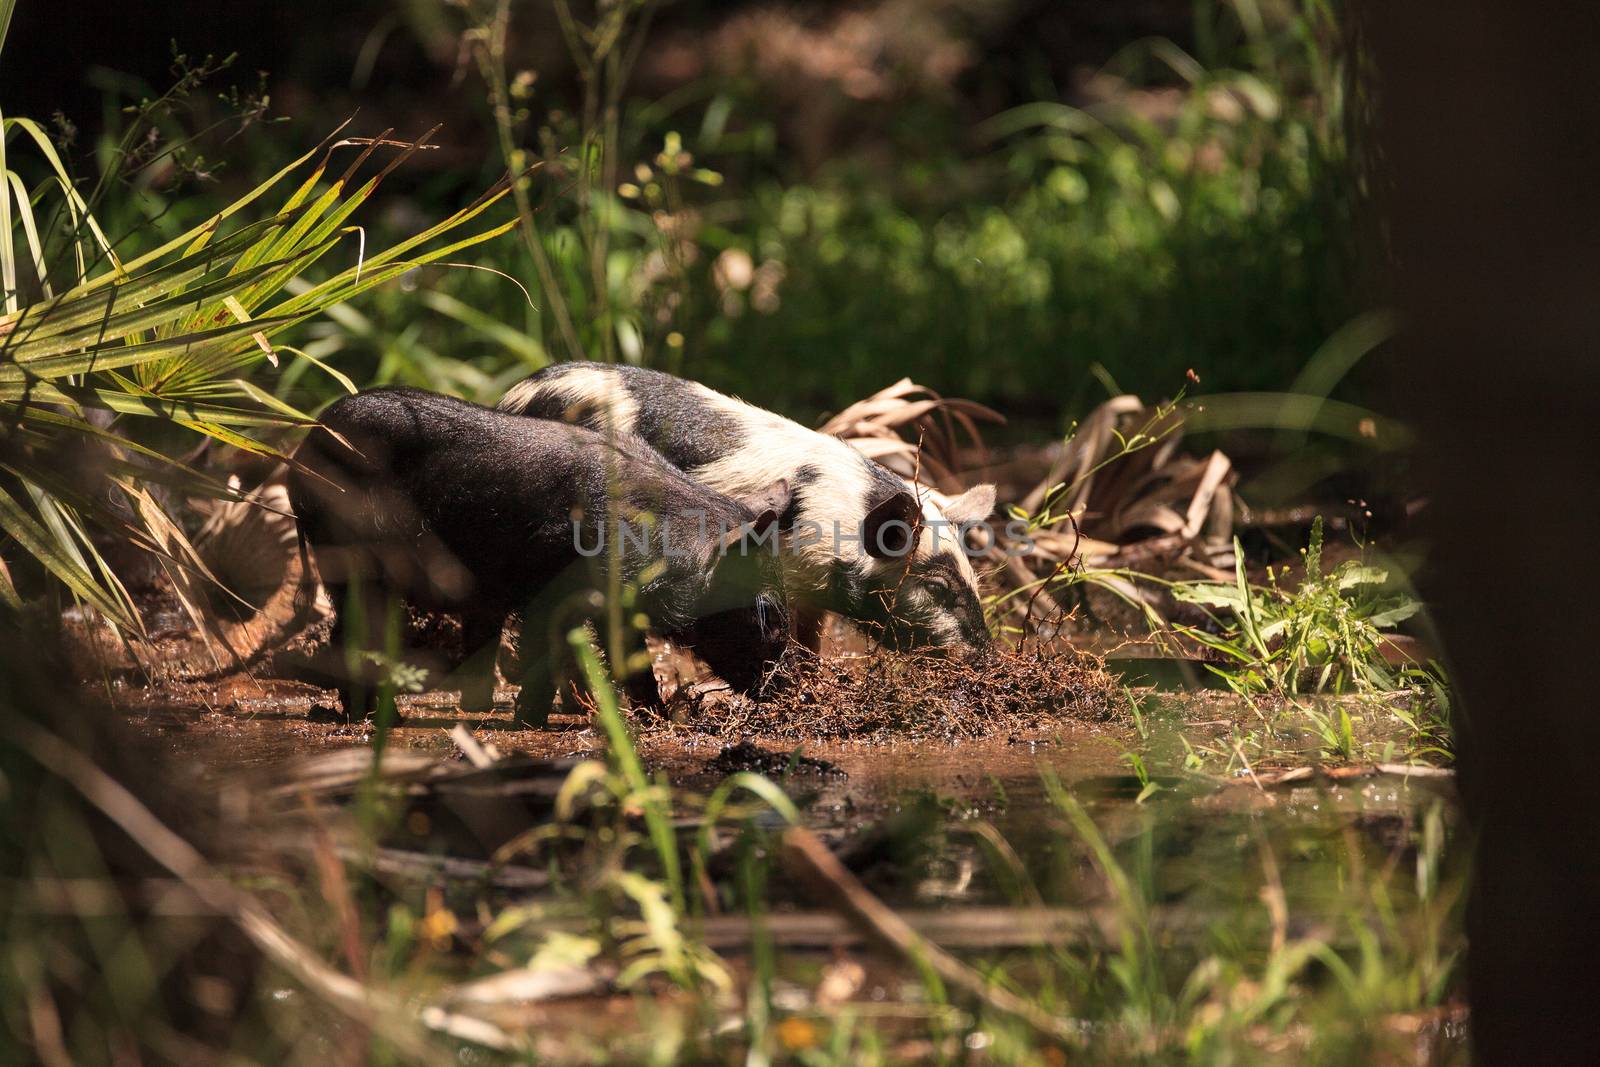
point(746, 756)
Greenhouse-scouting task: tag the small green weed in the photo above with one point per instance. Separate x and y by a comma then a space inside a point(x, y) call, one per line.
point(1325, 635)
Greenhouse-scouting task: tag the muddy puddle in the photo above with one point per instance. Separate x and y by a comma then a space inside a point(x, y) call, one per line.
point(1001, 849)
point(915, 802)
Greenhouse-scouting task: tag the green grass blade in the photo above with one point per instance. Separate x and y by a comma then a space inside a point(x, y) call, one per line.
point(626, 757)
point(27, 532)
point(8, 261)
point(138, 403)
point(111, 328)
point(80, 305)
point(188, 237)
point(30, 231)
point(1298, 414)
point(6, 7)
point(13, 378)
point(8, 589)
point(516, 341)
point(327, 368)
point(229, 437)
point(64, 177)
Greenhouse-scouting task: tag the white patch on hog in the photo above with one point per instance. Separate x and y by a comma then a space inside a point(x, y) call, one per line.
point(586, 391)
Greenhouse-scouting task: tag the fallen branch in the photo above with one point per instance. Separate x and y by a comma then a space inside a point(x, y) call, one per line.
point(959, 928)
point(808, 858)
point(1343, 774)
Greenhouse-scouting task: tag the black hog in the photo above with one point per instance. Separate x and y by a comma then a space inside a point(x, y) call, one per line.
point(849, 548)
point(409, 496)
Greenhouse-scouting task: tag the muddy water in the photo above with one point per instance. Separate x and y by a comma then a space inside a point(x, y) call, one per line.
point(1199, 839)
point(1196, 842)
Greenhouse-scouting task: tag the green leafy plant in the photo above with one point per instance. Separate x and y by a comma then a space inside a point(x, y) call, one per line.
point(611, 258)
point(1324, 635)
point(1139, 237)
point(1147, 241)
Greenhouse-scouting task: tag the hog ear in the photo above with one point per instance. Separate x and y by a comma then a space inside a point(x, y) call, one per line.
point(757, 527)
point(896, 541)
point(974, 505)
point(769, 504)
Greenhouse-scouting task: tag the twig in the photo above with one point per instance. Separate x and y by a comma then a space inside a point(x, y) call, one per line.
point(809, 859)
point(1339, 774)
point(1065, 564)
point(1272, 894)
point(1238, 751)
point(479, 755)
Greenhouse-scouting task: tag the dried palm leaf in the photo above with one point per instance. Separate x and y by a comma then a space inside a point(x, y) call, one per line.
point(892, 425)
point(250, 550)
point(1119, 499)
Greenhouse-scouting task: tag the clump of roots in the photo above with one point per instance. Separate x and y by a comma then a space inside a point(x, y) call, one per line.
point(884, 696)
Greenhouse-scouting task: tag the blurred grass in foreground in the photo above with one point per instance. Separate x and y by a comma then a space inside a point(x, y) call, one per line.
point(1180, 932)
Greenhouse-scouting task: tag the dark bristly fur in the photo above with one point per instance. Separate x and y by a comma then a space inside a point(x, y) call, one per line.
point(450, 506)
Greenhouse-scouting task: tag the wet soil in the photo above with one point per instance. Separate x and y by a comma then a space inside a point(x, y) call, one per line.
point(254, 727)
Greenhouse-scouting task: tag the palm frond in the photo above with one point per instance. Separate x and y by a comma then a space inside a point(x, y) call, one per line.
point(111, 351)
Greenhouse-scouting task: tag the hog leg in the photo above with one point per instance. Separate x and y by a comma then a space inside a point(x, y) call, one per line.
point(480, 632)
point(571, 681)
point(638, 685)
point(357, 629)
point(808, 626)
point(548, 663)
point(538, 679)
point(643, 690)
point(542, 642)
point(338, 639)
point(546, 658)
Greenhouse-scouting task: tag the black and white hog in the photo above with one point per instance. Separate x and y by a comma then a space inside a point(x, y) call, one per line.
point(848, 541)
point(409, 496)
